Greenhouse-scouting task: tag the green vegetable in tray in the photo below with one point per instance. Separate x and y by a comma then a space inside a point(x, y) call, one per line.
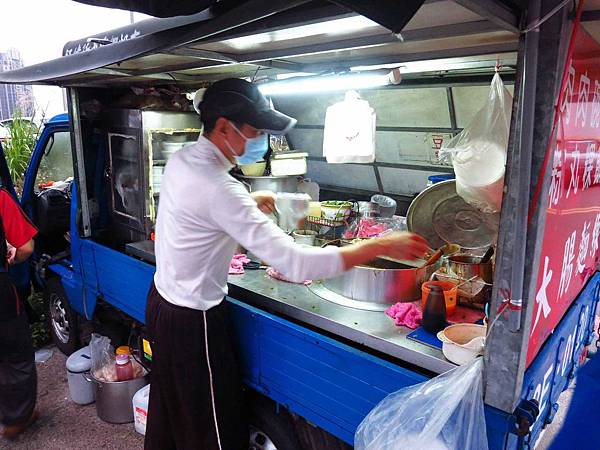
point(336, 204)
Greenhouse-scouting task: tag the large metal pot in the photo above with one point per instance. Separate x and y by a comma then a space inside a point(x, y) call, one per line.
point(114, 399)
point(273, 184)
point(382, 282)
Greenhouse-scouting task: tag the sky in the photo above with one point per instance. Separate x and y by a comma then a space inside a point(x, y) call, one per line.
point(40, 28)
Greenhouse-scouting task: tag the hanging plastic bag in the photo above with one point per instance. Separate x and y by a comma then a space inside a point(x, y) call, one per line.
point(444, 413)
point(349, 133)
point(478, 153)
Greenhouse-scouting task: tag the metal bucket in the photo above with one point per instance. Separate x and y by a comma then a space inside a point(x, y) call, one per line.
point(376, 283)
point(114, 399)
point(273, 184)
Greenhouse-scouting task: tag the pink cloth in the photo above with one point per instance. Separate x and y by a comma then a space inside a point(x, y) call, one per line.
point(278, 276)
point(236, 267)
point(405, 314)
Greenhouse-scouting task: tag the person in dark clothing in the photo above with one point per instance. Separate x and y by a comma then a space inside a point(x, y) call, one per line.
point(18, 377)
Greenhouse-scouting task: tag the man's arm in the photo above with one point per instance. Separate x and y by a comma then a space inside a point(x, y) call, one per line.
point(18, 229)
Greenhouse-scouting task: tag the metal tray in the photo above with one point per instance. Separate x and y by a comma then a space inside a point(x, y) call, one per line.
point(441, 216)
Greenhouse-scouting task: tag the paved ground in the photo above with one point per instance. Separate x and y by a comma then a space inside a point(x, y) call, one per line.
point(66, 426)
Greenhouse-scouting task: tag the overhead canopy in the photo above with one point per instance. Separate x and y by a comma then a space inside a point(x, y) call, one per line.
point(261, 38)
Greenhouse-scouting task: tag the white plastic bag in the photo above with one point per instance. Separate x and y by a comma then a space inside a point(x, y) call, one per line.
point(478, 153)
point(103, 358)
point(444, 413)
point(349, 133)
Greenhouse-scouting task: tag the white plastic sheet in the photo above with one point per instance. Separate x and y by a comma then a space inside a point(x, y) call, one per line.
point(349, 134)
point(478, 153)
point(444, 413)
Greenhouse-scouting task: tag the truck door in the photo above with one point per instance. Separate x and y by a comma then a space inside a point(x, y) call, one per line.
point(46, 191)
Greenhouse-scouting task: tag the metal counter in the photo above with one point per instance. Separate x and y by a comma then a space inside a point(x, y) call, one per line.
point(372, 329)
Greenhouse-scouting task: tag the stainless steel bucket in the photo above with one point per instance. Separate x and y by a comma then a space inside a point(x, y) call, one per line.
point(376, 283)
point(273, 184)
point(114, 399)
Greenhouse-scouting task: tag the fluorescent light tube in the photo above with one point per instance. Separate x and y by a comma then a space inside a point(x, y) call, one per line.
point(325, 84)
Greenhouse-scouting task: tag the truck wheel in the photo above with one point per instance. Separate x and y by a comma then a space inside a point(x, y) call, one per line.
point(270, 430)
point(62, 320)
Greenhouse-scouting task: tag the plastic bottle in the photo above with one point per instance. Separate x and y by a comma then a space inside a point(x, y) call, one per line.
point(434, 315)
point(140, 409)
point(124, 368)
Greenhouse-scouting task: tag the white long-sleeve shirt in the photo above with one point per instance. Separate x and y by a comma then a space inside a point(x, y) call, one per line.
point(203, 213)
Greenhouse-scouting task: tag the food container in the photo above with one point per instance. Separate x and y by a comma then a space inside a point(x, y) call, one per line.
point(140, 409)
point(466, 267)
point(273, 184)
point(256, 169)
point(462, 342)
point(382, 282)
point(450, 294)
point(336, 210)
point(291, 209)
point(81, 390)
point(288, 163)
point(114, 398)
point(305, 237)
point(386, 205)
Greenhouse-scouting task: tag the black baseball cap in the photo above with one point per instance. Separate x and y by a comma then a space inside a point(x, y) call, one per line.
point(242, 102)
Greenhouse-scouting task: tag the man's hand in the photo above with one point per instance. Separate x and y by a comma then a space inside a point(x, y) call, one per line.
point(265, 200)
point(404, 245)
point(397, 245)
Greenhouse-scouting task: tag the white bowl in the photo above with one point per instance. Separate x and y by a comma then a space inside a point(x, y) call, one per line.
point(256, 169)
point(462, 342)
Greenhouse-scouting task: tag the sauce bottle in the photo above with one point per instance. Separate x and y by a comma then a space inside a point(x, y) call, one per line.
point(434, 314)
point(124, 368)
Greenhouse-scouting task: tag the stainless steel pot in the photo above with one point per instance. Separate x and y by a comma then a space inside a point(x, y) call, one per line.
point(273, 184)
point(383, 282)
point(114, 399)
point(465, 267)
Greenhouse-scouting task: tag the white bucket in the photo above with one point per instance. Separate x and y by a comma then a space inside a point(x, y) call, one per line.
point(479, 170)
point(140, 409)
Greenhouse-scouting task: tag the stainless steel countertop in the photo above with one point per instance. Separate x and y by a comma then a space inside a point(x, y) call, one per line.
point(371, 329)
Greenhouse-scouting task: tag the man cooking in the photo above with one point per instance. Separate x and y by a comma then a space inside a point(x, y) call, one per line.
point(195, 396)
point(18, 377)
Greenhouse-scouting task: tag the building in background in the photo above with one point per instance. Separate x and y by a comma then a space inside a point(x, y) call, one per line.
point(14, 97)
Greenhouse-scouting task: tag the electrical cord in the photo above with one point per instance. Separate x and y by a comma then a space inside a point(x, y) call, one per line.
point(537, 23)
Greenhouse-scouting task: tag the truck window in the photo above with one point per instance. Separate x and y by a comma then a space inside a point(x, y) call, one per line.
point(57, 162)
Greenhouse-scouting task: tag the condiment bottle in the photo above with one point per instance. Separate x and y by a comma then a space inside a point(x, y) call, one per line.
point(124, 368)
point(434, 314)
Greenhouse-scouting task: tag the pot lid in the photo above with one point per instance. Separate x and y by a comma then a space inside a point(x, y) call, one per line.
point(80, 361)
point(441, 216)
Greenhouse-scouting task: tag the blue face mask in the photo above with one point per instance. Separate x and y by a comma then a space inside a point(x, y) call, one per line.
point(254, 149)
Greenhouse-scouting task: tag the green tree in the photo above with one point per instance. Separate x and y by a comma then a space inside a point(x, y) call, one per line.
point(19, 146)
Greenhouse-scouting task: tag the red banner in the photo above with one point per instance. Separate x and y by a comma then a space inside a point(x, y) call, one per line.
point(571, 236)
